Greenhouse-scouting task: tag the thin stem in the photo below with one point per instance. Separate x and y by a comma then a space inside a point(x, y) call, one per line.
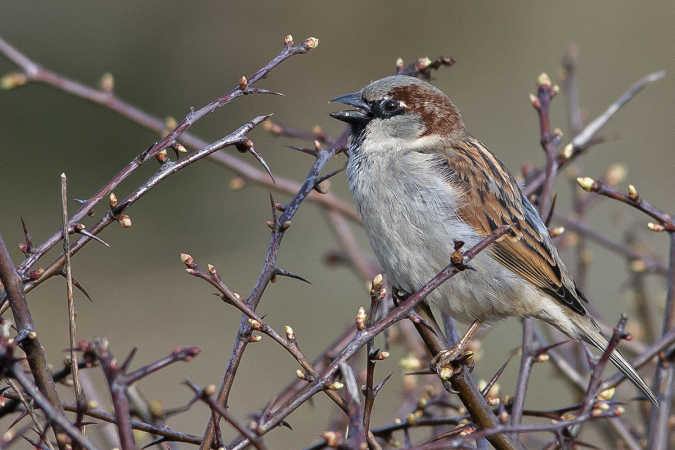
point(162, 173)
point(222, 412)
point(54, 414)
point(526, 361)
point(362, 337)
point(24, 322)
point(664, 383)
point(72, 324)
point(266, 274)
point(581, 141)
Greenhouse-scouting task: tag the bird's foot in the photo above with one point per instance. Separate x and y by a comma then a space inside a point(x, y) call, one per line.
point(452, 361)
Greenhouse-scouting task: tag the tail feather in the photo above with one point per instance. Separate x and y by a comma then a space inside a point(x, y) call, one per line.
point(592, 335)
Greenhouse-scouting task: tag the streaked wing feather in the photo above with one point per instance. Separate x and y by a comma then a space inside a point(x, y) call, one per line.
point(493, 199)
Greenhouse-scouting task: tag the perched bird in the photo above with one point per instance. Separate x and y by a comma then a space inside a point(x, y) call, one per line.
point(421, 182)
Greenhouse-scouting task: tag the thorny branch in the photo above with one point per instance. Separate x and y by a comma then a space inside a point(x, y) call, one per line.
point(482, 416)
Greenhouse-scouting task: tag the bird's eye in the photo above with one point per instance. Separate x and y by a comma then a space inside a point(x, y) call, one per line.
point(391, 105)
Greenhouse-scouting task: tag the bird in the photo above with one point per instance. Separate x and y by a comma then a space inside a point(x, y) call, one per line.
point(421, 182)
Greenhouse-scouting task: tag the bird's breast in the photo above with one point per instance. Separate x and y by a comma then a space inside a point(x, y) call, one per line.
point(409, 212)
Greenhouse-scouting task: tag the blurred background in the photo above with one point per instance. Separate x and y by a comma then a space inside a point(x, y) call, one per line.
point(168, 55)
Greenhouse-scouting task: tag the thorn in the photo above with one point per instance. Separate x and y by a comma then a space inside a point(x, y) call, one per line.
point(264, 91)
point(285, 273)
point(317, 184)
point(26, 234)
point(498, 374)
point(79, 286)
point(125, 364)
point(84, 232)
point(159, 440)
point(544, 350)
point(262, 162)
point(309, 151)
point(381, 384)
point(421, 372)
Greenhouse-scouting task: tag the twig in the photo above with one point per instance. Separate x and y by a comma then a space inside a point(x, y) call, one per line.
point(581, 141)
point(36, 72)
point(24, 322)
point(29, 409)
point(363, 336)
point(119, 379)
point(377, 294)
point(256, 322)
point(632, 198)
point(654, 350)
point(528, 428)
point(357, 438)
point(596, 374)
point(640, 261)
point(72, 324)
point(55, 415)
point(162, 173)
point(207, 398)
point(164, 431)
point(659, 425)
point(549, 142)
point(279, 228)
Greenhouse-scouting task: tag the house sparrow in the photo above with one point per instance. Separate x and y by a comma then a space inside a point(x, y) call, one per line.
point(421, 182)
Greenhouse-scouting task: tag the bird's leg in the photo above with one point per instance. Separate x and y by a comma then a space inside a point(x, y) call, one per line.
point(457, 354)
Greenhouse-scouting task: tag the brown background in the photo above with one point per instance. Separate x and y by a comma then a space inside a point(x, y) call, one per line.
point(168, 55)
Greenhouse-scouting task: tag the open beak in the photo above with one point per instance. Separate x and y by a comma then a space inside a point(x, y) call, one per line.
point(354, 117)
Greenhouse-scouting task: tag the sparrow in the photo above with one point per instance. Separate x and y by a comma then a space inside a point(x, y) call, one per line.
point(421, 182)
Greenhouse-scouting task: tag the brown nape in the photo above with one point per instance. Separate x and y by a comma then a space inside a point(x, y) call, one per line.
point(439, 114)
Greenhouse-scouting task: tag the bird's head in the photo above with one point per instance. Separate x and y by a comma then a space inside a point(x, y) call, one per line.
point(403, 108)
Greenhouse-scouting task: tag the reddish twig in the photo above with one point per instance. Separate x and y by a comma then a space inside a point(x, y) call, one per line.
point(37, 73)
point(366, 334)
point(53, 413)
point(205, 395)
point(632, 198)
point(659, 419)
point(640, 262)
point(72, 323)
point(279, 228)
point(256, 322)
point(119, 380)
point(168, 169)
point(580, 142)
point(31, 345)
point(549, 142)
